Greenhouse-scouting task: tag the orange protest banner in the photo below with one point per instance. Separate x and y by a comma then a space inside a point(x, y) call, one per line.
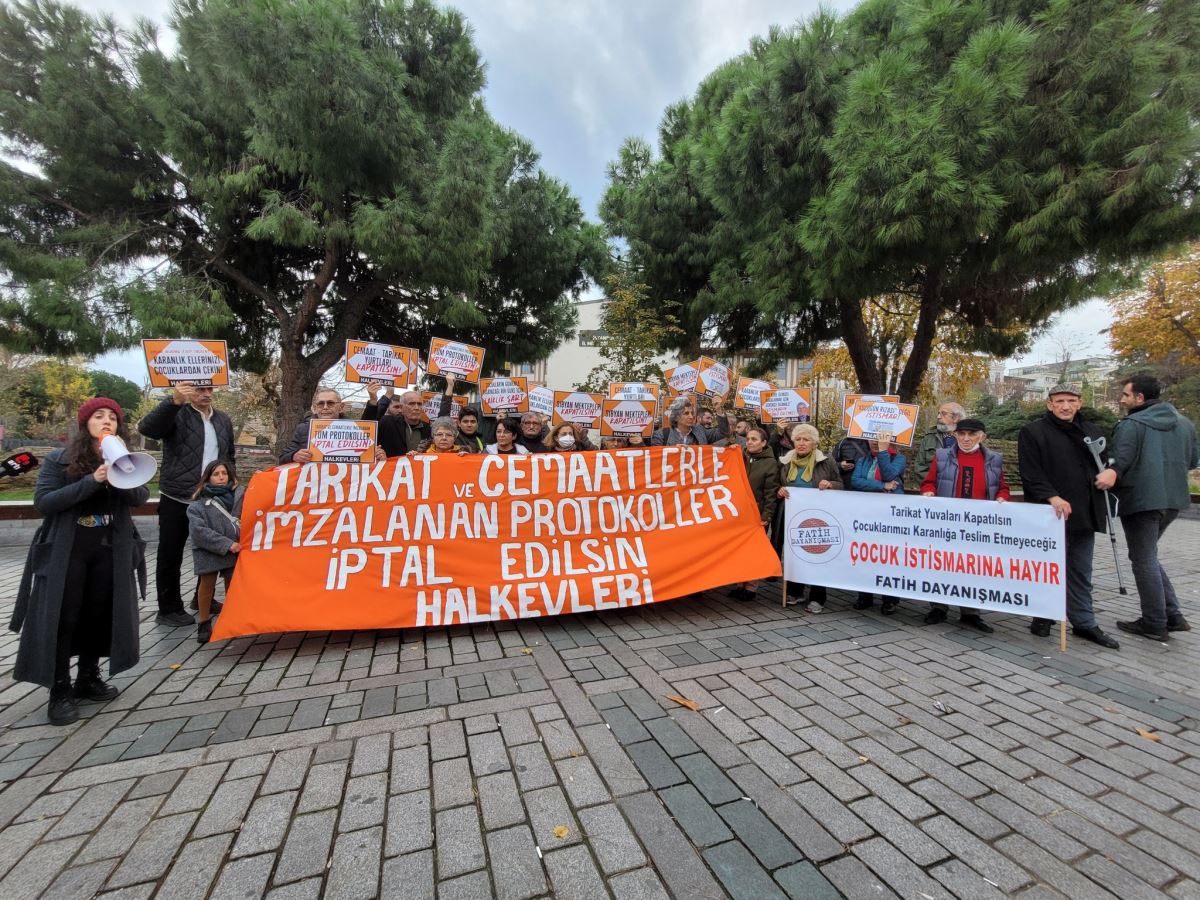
point(786, 405)
point(433, 540)
point(848, 401)
point(342, 440)
point(625, 417)
point(682, 378)
point(577, 407)
point(463, 360)
point(504, 396)
point(749, 391)
point(870, 418)
point(203, 363)
point(712, 378)
point(368, 363)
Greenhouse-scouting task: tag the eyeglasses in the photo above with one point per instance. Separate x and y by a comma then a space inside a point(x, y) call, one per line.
point(327, 403)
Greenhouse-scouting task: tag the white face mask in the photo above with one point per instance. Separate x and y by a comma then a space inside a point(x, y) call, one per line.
point(566, 440)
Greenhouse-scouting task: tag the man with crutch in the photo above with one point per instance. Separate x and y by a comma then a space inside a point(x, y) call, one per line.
point(1058, 468)
point(1153, 448)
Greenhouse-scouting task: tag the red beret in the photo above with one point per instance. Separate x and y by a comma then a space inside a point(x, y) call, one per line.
point(85, 411)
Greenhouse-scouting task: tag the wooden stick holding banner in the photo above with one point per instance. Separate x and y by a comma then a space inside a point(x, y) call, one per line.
point(1062, 636)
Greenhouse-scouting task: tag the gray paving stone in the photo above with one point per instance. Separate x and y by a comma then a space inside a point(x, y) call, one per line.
point(80, 881)
point(891, 865)
point(581, 782)
point(228, 806)
point(371, 754)
point(803, 881)
point(672, 854)
point(654, 764)
point(120, 830)
point(548, 810)
point(459, 843)
point(452, 783)
point(409, 876)
point(466, 887)
point(516, 867)
point(365, 802)
point(618, 771)
point(500, 801)
point(410, 823)
point(612, 842)
point(768, 844)
point(742, 876)
point(573, 874)
point(487, 753)
point(354, 873)
point(446, 740)
point(627, 727)
point(287, 771)
point(154, 851)
point(307, 847)
point(698, 820)
point(708, 779)
point(532, 767)
point(641, 884)
point(244, 878)
point(265, 824)
point(410, 769)
point(298, 890)
point(195, 868)
point(91, 809)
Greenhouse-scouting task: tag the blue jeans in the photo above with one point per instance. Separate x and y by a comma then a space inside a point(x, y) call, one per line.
point(1142, 531)
point(1080, 547)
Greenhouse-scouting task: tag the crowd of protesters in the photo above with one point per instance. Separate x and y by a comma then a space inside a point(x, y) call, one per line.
point(78, 597)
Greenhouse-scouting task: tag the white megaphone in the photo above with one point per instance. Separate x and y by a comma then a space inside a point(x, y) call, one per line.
point(125, 469)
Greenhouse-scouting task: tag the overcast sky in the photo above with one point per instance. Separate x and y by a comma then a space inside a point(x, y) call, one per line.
point(579, 76)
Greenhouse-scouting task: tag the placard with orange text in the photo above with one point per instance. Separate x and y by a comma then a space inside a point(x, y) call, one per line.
point(504, 396)
point(179, 360)
point(786, 405)
point(577, 407)
point(342, 440)
point(431, 405)
point(682, 378)
point(461, 359)
point(748, 391)
point(634, 390)
point(712, 378)
point(368, 363)
point(848, 401)
point(436, 540)
point(625, 417)
point(871, 418)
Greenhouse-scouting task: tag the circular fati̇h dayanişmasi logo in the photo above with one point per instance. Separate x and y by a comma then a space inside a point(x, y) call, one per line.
point(814, 536)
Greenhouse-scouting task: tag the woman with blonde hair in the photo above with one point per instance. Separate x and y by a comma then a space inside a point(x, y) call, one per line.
point(806, 467)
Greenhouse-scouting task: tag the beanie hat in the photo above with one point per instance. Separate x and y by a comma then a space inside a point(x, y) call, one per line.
point(85, 411)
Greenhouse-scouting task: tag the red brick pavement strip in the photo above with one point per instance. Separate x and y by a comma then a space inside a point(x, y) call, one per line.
point(842, 753)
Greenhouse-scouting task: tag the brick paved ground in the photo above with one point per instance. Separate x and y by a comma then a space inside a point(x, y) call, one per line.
point(835, 754)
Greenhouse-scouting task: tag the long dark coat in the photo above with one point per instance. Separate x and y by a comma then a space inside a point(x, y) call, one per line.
point(1054, 462)
point(39, 598)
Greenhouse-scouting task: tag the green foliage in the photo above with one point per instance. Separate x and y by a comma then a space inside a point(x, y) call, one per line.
point(293, 175)
point(635, 332)
point(997, 161)
point(124, 391)
point(1005, 420)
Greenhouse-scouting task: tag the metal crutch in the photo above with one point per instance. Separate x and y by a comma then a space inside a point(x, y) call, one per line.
point(1097, 447)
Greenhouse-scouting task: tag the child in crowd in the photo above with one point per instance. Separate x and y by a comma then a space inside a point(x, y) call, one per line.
point(214, 522)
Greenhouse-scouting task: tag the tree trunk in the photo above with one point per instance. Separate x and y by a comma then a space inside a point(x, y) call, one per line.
point(923, 337)
point(858, 345)
point(298, 378)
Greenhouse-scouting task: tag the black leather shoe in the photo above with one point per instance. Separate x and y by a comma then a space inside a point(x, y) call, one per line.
point(1040, 627)
point(1178, 623)
point(176, 619)
point(90, 686)
point(194, 606)
point(62, 709)
point(1140, 628)
point(1096, 636)
point(934, 616)
point(888, 607)
point(977, 623)
point(204, 631)
point(864, 603)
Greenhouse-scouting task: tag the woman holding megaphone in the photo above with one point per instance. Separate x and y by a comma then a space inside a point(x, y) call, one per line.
point(79, 594)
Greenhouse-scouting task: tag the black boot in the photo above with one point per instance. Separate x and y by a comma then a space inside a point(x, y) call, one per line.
point(90, 686)
point(62, 709)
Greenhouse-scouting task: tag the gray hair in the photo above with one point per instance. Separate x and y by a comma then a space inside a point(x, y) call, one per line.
point(955, 408)
point(676, 409)
point(444, 423)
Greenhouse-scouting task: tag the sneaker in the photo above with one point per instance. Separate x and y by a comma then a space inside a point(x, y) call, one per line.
point(90, 686)
point(1140, 628)
point(814, 607)
point(204, 631)
point(177, 619)
point(1178, 623)
point(888, 607)
point(216, 605)
point(791, 601)
point(1040, 627)
point(61, 709)
point(977, 623)
point(935, 616)
point(1096, 636)
point(864, 602)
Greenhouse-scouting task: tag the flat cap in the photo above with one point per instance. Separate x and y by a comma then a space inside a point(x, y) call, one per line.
point(1063, 389)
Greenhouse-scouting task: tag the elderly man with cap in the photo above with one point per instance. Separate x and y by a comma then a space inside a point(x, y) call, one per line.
point(1058, 468)
point(193, 434)
point(939, 437)
point(966, 471)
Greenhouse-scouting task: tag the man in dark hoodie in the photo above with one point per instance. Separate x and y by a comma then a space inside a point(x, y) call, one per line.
point(1153, 448)
point(533, 433)
point(1058, 468)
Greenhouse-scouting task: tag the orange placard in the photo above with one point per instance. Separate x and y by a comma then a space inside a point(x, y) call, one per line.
point(848, 401)
point(712, 378)
point(463, 360)
point(577, 407)
point(504, 396)
point(870, 418)
point(342, 440)
point(786, 405)
point(625, 417)
point(431, 403)
point(634, 390)
point(682, 378)
point(178, 360)
point(748, 391)
point(368, 363)
point(437, 540)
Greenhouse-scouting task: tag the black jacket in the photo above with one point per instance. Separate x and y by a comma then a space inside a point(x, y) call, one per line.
point(393, 432)
point(181, 430)
point(1054, 462)
point(535, 444)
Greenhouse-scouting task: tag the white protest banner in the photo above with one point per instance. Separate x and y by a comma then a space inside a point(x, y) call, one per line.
point(541, 401)
point(174, 361)
point(577, 407)
point(682, 378)
point(748, 392)
point(713, 378)
point(342, 440)
point(368, 363)
point(786, 405)
point(999, 557)
point(848, 401)
point(431, 405)
point(623, 417)
point(504, 396)
point(871, 418)
point(634, 390)
point(446, 356)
